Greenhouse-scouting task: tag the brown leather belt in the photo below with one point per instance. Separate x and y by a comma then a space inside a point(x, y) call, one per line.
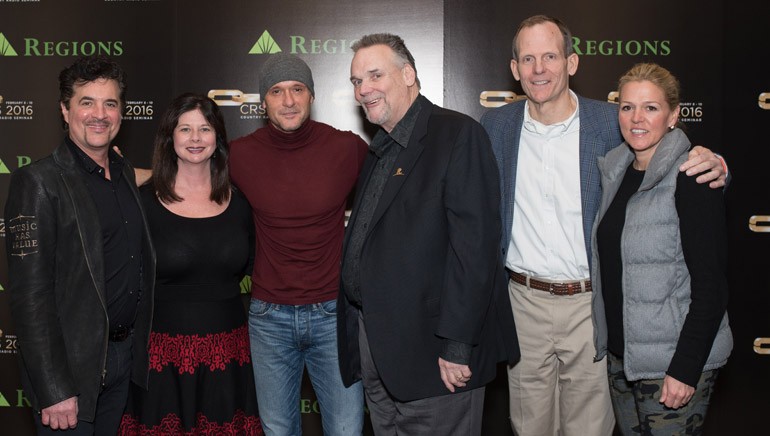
point(558, 288)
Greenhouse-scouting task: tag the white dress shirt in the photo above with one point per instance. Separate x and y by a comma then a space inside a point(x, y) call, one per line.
point(547, 233)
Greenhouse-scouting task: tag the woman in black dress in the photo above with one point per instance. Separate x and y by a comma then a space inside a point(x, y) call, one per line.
point(201, 379)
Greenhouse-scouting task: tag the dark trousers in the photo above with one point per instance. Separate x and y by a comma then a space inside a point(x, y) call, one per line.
point(112, 398)
point(451, 414)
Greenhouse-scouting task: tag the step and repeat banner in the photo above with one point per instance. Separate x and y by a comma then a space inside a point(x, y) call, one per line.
point(462, 50)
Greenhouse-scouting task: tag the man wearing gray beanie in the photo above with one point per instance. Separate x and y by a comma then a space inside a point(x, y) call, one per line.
point(297, 174)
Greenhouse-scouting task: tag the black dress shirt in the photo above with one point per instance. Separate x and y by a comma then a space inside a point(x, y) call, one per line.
point(385, 147)
point(121, 222)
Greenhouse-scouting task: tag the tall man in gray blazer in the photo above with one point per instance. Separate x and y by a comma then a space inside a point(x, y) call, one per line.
point(546, 148)
point(423, 317)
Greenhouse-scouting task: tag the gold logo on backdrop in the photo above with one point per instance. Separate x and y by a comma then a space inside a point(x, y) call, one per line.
point(759, 223)
point(232, 97)
point(764, 100)
point(613, 97)
point(499, 98)
point(762, 345)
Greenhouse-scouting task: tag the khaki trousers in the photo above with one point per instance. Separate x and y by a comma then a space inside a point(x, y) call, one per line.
point(556, 387)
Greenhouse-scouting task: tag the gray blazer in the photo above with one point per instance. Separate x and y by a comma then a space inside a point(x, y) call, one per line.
point(599, 133)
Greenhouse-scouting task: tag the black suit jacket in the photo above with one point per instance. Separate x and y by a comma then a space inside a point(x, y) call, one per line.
point(430, 265)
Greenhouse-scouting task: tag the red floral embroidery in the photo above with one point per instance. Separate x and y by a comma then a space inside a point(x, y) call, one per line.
point(241, 425)
point(188, 352)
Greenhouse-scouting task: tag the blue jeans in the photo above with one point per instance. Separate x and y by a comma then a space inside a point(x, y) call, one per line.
point(285, 339)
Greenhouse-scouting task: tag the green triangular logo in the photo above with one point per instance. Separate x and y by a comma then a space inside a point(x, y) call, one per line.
point(4, 402)
point(4, 169)
point(265, 44)
point(246, 285)
point(6, 49)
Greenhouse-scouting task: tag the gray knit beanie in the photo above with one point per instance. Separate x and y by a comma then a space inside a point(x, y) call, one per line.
point(281, 67)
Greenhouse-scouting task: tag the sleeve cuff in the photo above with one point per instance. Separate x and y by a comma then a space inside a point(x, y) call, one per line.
point(456, 352)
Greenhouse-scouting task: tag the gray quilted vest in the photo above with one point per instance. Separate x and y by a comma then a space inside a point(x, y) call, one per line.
point(656, 282)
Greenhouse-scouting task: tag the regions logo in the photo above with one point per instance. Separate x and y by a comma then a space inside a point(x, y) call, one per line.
point(620, 47)
point(20, 162)
point(246, 285)
point(20, 399)
point(37, 47)
point(265, 45)
point(300, 44)
point(307, 405)
point(6, 49)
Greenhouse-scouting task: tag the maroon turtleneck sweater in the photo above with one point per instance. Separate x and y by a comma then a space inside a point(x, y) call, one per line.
point(297, 184)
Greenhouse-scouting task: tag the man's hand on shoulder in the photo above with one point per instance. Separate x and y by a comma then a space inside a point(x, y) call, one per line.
point(62, 415)
point(702, 160)
point(142, 175)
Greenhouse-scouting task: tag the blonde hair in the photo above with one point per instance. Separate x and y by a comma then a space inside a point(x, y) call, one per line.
point(658, 76)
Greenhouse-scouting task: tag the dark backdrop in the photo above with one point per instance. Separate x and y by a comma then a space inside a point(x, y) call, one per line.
point(462, 48)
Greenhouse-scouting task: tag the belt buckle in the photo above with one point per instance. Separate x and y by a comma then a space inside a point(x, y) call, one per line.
point(550, 289)
point(120, 334)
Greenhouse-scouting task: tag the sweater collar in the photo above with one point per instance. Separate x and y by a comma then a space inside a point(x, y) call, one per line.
point(296, 139)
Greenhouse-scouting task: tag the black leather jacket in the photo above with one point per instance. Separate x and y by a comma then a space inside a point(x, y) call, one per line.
point(57, 286)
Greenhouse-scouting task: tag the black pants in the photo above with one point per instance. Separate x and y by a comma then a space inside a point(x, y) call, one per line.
point(112, 398)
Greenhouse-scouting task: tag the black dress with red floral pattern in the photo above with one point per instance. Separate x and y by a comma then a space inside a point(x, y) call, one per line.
point(201, 380)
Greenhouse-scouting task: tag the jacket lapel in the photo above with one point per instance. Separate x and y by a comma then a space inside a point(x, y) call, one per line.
point(86, 216)
point(405, 162)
